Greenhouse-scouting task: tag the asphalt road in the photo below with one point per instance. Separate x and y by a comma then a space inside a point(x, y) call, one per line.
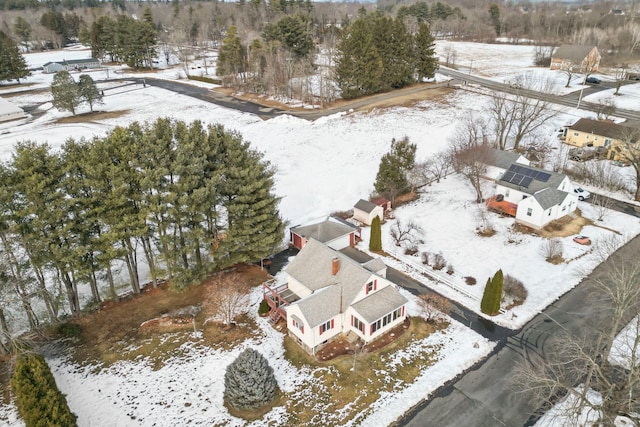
point(486, 394)
point(569, 100)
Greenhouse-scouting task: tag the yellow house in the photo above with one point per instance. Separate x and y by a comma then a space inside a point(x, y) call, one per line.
point(598, 133)
point(585, 59)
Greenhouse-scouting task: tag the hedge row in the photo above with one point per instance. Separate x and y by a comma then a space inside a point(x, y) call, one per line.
point(40, 403)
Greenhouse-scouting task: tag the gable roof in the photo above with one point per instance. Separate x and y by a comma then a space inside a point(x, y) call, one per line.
point(599, 127)
point(501, 159)
point(380, 303)
point(320, 306)
point(331, 294)
point(312, 268)
point(572, 52)
point(548, 197)
point(324, 231)
point(554, 181)
point(376, 265)
point(365, 206)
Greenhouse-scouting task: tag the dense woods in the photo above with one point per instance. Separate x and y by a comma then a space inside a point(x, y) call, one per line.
point(272, 47)
point(184, 197)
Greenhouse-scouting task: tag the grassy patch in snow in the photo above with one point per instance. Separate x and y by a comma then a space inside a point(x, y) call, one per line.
point(93, 116)
point(339, 393)
point(113, 333)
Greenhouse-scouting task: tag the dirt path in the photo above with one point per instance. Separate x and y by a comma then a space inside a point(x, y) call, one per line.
point(402, 97)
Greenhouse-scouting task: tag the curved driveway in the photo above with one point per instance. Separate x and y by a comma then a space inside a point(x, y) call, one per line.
point(486, 395)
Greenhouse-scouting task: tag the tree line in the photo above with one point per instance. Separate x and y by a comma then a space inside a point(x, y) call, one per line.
point(185, 197)
point(377, 53)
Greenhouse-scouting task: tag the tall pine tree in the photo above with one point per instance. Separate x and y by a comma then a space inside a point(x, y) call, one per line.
point(12, 63)
point(492, 296)
point(359, 67)
point(424, 53)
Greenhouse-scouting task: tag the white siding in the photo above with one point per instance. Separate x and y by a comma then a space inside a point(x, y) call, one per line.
point(367, 218)
point(537, 216)
point(339, 243)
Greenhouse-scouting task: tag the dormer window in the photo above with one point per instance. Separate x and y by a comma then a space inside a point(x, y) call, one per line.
point(371, 286)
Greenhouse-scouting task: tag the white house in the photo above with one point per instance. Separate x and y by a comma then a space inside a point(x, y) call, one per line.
point(333, 232)
point(540, 196)
point(364, 211)
point(8, 111)
point(328, 294)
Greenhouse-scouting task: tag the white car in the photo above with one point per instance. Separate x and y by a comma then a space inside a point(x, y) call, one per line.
point(582, 194)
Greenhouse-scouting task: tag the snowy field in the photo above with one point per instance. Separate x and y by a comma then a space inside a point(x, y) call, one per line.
point(322, 166)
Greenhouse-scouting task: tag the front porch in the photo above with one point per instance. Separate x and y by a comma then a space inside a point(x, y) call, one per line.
point(277, 297)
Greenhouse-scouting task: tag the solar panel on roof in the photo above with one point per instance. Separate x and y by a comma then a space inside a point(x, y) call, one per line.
point(543, 176)
point(508, 176)
point(526, 181)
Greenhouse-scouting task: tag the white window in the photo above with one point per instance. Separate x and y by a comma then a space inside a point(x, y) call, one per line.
point(529, 211)
point(576, 134)
point(506, 193)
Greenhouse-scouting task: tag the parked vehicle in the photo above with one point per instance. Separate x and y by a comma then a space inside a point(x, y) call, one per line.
point(581, 154)
point(593, 80)
point(582, 240)
point(582, 194)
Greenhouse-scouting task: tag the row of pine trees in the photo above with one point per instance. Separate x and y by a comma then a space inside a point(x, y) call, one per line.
point(186, 197)
point(377, 53)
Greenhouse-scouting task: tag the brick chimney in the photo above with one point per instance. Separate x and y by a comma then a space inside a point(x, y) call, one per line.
point(335, 266)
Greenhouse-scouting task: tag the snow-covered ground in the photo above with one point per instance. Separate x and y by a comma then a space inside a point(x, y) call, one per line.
point(322, 166)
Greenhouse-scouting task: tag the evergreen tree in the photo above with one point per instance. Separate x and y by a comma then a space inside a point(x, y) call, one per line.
point(292, 31)
point(254, 227)
point(359, 66)
point(249, 382)
point(66, 95)
point(22, 28)
point(492, 296)
point(40, 403)
point(12, 63)
point(394, 44)
point(232, 56)
point(88, 90)
point(425, 53)
point(494, 13)
point(375, 241)
point(394, 167)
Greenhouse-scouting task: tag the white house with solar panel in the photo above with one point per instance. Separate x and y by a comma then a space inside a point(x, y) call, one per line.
point(328, 294)
point(538, 196)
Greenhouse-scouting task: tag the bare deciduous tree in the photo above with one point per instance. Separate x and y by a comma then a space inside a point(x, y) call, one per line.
point(469, 154)
point(514, 117)
point(602, 205)
point(229, 294)
point(621, 76)
point(410, 233)
point(434, 306)
point(433, 169)
point(593, 359)
point(630, 151)
point(606, 108)
point(551, 249)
